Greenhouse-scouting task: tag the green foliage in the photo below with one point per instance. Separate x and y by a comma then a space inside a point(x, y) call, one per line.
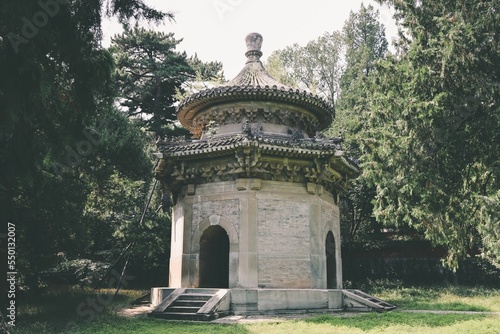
point(452, 298)
point(76, 271)
point(209, 71)
point(58, 311)
point(137, 9)
point(364, 38)
point(433, 136)
point(365, 41)
point(489, 228)
point(207, 75)
point(315, 67)
point(358, 223)
point(61, 141)
point(149, 73)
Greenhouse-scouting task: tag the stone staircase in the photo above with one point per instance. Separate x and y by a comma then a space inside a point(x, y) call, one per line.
point(357, 300)
point(193, 304)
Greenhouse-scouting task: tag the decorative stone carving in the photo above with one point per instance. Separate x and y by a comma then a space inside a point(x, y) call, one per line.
point(295, 134)
point(224, 116)
point(260, 106)
point(235, 100)
point(319, 136)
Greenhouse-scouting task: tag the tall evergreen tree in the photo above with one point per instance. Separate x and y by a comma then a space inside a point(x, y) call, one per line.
point(55, 90)
point(364, 38)
point(365, 42)
point(149, 73)
point(433, 138)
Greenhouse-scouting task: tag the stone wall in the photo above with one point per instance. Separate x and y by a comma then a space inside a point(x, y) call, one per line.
point(283, 244)
point(277, 233)
point(214, 211)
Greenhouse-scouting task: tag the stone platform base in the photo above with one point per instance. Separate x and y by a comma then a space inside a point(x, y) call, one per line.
point(268, 301)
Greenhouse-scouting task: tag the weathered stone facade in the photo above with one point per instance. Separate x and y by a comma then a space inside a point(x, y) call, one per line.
point(255, 194)
point(276, 232)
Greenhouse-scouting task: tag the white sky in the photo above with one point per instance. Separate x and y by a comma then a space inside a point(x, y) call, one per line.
point(216, 29)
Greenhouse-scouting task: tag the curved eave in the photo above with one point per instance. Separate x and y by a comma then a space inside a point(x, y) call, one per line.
point(337, 161)
point(347, 167)
point(229, 149)
point(189, 107)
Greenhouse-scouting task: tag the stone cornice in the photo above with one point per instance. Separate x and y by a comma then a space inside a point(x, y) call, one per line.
point(197, 102)
point(316, 160)
point(279, 145)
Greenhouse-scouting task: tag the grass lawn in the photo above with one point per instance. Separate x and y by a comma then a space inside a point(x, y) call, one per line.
point(82, 312)
point(450, 298)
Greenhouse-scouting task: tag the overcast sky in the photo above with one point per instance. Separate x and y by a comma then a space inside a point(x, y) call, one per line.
point(216, 29)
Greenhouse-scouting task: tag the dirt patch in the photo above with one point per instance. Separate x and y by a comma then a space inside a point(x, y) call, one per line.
point(135, 310)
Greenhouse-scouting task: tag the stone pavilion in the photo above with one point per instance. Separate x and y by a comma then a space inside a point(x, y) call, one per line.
point(255, 198)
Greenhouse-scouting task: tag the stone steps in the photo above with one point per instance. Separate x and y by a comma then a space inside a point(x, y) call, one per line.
point(191, 304)
point(357, 299)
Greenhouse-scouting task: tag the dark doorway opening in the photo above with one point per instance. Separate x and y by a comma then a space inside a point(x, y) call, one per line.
point(214, 258)
point(331, 264)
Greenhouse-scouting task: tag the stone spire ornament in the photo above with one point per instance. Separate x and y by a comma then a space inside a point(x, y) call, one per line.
point(310, 112)
point(254, 44)
point(254, 74)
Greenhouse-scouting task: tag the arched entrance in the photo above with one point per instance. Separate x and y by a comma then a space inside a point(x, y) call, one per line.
point(331, 264)
point(214, 258)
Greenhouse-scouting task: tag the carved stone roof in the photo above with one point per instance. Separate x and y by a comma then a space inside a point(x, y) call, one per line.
point(254, 127)
point(306, 146)
point(254, 73)
point(253, 83)
point(280, 158)
point(275, 145)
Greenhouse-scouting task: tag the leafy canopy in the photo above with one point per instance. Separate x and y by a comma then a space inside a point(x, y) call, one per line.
point(315, 67)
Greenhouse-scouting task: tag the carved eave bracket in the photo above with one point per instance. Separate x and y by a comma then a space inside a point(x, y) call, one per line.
point(301, 161)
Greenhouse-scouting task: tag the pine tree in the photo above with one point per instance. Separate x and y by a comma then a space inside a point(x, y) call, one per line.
point(149, 73)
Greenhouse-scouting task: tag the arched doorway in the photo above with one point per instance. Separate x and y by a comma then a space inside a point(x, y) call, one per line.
point(214, 258)
point(331, 264)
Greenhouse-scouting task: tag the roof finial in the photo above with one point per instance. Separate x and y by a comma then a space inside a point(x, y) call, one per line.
point(254, 43)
